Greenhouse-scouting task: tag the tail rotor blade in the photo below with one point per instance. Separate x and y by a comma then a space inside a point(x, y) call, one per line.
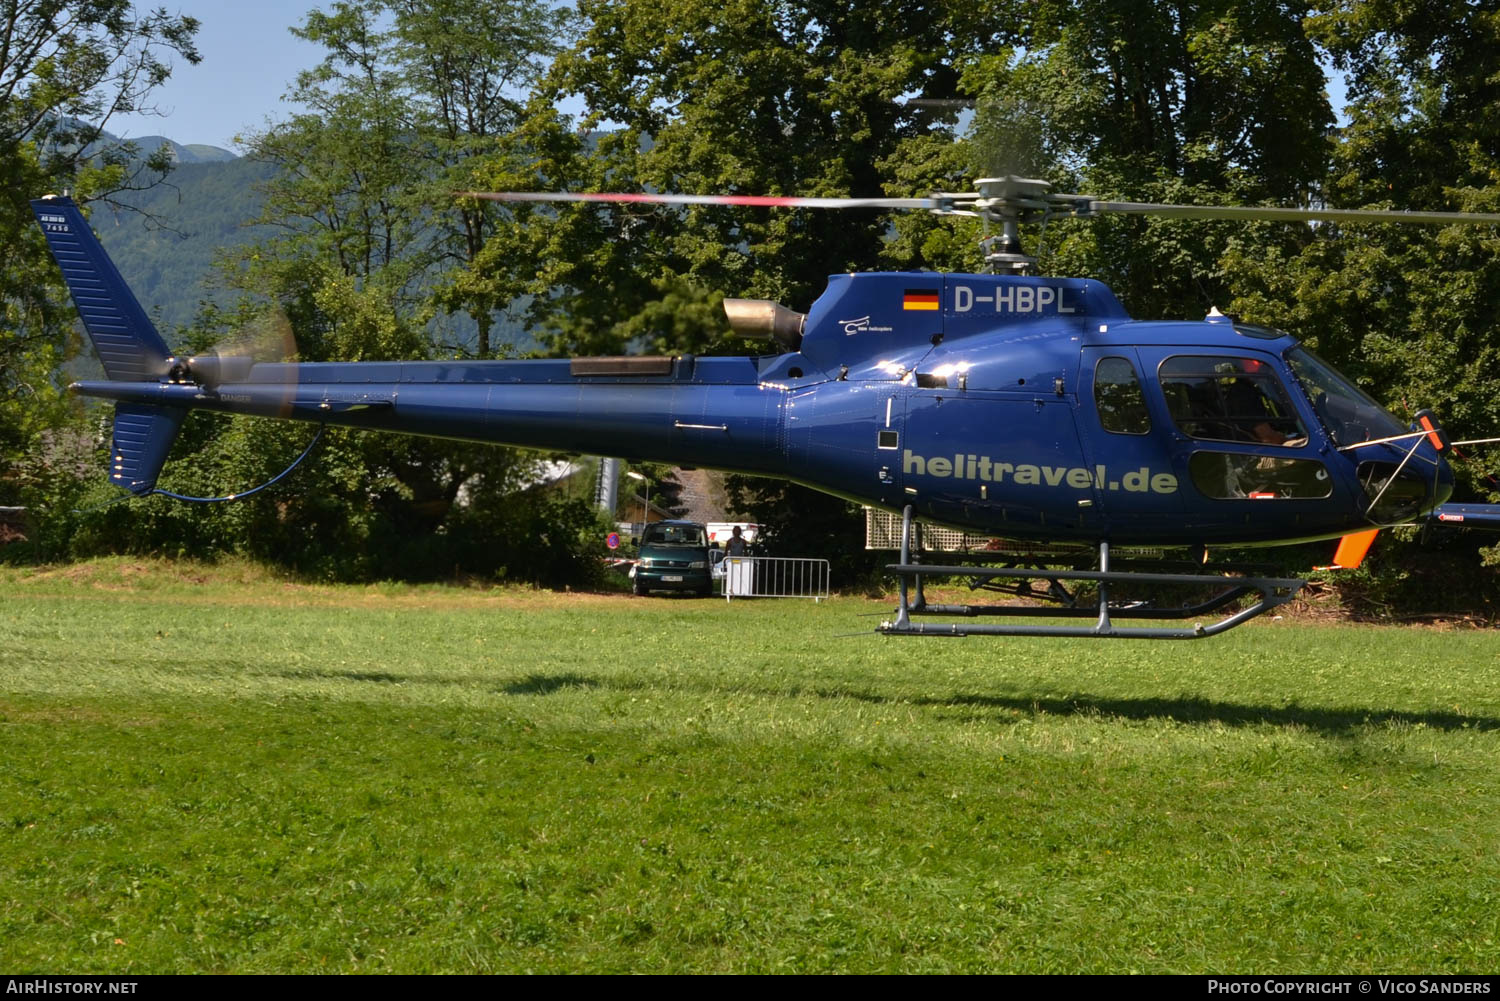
point(267, 338)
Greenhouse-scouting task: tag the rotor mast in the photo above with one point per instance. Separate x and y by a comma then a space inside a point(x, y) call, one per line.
point(1002, 201)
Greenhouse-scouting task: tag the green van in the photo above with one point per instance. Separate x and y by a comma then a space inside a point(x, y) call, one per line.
point(674, 557)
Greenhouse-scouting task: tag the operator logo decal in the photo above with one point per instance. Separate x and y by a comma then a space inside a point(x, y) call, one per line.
point(984, 469)
point(862, 326)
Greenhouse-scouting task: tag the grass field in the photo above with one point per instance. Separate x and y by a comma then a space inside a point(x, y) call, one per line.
point(212, 770)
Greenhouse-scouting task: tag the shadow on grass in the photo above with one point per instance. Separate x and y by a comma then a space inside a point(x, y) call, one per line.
point(313, 674)
point(1184, 709)
point(532, 684)
point(546, 684)
point(1333, 721)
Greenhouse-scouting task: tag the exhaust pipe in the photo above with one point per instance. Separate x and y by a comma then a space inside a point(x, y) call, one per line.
point(762, 318)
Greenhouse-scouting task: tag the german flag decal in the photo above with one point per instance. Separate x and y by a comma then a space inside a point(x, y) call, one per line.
point(920, 298)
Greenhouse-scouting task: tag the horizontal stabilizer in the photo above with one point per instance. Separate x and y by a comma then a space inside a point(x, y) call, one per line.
point(143, 437)
point(124, 337)
point(1468, 515)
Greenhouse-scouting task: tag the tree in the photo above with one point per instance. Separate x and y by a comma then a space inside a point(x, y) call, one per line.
point(360, 199)
point(800, 98)
point(1211, 102)
point(66, 67)
point(1409, 312)
point(468, 69)
point(345, 187)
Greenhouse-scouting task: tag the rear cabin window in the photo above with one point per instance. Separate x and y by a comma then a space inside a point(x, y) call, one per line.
point(1229, 399)
point(1117, 394)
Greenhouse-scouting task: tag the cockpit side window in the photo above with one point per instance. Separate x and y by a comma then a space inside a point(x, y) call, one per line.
point(1117, 395)
point(1229, 399)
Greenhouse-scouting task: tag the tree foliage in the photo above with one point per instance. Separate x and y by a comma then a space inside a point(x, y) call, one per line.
point(1408, 311)
point(66, 67)
point(406, 96)
point(1209, 103)
point(355, 203)
point(800, 98)
point(470, 68)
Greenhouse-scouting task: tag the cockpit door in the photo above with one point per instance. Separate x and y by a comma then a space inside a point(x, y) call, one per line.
point(1245, 458)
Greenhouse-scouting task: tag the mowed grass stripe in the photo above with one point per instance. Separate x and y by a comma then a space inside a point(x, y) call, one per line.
point(221, 773)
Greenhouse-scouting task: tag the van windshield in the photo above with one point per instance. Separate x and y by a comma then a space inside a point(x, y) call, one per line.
point(674, 535)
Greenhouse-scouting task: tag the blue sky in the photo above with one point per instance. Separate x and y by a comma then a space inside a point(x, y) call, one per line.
point(249, 58)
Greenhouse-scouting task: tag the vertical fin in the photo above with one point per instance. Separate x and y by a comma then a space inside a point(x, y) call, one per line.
point(124, 337)
point(143, 436)
point(1352, 549)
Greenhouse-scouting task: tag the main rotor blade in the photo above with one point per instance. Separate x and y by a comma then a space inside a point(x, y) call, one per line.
point(1002, 199)
point(771, 201)
point(1285, 215)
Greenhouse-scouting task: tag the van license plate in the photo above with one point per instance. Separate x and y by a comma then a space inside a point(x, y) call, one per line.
point(672, 578)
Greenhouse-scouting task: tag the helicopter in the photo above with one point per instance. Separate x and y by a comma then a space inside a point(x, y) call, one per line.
point(1006, 403)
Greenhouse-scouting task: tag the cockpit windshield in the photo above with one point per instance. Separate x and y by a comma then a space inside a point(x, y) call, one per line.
point(1345, 410)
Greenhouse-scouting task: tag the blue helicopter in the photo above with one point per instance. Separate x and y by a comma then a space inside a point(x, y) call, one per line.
point(1005, 404)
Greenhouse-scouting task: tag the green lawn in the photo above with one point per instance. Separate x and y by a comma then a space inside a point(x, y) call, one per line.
point(212, 770)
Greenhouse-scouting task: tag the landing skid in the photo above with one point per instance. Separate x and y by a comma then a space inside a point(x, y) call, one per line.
point(1226, 590)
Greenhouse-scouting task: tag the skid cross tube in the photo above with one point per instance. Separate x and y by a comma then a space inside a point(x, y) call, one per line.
point(1273, 591)
point(1234, 588)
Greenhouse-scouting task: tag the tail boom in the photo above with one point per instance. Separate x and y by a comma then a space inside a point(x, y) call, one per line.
point(725, 426)
point(1486, 516)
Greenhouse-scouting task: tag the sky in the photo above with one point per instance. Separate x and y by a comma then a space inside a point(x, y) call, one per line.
point(249, 59)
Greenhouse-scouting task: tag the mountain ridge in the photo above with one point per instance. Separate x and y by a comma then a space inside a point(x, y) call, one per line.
point(166, 238)
point(146, 146)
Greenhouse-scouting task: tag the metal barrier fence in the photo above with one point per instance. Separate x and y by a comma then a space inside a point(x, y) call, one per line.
point(774, 577)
